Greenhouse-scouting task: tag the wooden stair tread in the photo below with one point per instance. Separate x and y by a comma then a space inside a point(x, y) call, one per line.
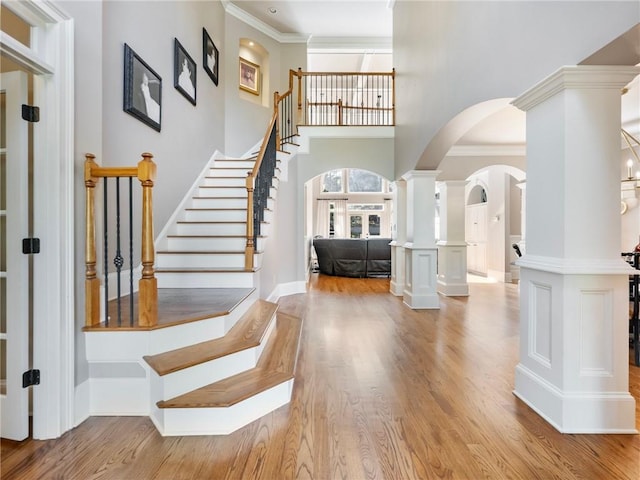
point(215, 209)
point(276, 365)
point(205, 269)
point(248, 332)
point(200, 252)
point(216, 222)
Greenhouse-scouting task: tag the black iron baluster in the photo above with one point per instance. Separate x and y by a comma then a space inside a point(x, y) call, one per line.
point(105, 265)
point(131, 251)
point(118, 260)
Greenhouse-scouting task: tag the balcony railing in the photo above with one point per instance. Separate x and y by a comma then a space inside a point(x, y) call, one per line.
point(335, 99)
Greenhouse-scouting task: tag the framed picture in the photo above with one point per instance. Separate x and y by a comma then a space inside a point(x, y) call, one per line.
point(142, 90)
point(249, 76)
point(184, 72)
point(210, 56)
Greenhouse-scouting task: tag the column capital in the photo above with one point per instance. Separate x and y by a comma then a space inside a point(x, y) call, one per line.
point(414, 174)
point(576, 77)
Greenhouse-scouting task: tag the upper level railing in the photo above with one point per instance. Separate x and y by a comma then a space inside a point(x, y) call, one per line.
point(335, 99)
point(147, 303)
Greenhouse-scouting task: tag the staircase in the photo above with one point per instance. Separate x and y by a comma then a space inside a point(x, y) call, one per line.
point(219, 357)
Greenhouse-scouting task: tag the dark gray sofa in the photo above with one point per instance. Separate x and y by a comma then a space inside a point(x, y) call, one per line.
point(354, 257)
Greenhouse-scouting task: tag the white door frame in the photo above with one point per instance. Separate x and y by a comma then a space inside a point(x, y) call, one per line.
point(15, 404)
point(51, 59)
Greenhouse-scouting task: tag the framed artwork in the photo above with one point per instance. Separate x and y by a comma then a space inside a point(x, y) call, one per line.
point(142, 90)
point(184, 72)
point(249, 76)
point(210, 56)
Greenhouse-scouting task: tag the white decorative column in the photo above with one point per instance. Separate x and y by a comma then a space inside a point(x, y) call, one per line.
point(452, 247)
point(398, 238)
point(574, 345)
point(420, 250)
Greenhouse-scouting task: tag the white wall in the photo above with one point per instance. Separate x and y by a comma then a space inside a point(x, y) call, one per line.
point(247, 116)
point(452, 55)
point(88, 138)
point(189, 134)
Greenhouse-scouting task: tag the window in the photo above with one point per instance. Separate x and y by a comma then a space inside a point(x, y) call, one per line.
point(361, 181)
point(332, 181)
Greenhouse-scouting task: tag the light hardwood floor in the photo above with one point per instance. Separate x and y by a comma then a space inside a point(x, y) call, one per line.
point(382, 392)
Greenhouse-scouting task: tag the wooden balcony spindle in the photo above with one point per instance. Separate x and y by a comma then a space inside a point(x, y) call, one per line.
point(147, 287)
point(91, 283)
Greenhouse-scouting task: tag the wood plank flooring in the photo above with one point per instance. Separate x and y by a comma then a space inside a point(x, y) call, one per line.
point(381, 392)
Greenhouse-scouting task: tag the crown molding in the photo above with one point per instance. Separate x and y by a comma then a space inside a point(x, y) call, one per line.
point(576, 77)
point(356, 44)
point(259, 25)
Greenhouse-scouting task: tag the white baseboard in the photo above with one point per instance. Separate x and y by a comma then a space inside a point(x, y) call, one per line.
point(81, 402)
point(285, 289)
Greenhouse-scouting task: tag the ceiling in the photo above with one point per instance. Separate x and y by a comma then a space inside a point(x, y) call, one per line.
point(342, 22)
point(323, 18)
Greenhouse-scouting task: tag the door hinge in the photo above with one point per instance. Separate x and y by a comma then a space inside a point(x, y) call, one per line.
point(30, 113)
point(30, 245)
point(30, 377)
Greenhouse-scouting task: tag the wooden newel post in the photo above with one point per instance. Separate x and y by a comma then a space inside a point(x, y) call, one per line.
point(91, 283)
point(148, 285)
point(250, 247)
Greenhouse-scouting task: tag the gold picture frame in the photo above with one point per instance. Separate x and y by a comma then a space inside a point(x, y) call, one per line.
point(249, 76)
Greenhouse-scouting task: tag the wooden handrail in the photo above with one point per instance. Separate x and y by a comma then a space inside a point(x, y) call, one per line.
point(145, 172)
point(250, 185)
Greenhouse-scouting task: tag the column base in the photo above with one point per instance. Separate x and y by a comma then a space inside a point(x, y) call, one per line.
point(576, 412)
point(421, 301)
point(397, 283)
point(420, 290)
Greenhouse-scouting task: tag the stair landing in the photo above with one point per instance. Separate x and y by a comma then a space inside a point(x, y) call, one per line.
point(176, 306)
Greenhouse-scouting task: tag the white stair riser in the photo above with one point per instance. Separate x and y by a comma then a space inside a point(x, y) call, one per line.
point(198, 202)
point(191, 260)
point(224, 181)
point(220, 421)
point(248, 164)
point(188, 379)
point(229, 172)
point(211, 229)
point(222, 192)
point(183, 381)
point(215, 215)
point(205, 279)
point(208, 244)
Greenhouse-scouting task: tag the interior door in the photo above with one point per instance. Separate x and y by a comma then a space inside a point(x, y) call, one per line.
point(14, 265)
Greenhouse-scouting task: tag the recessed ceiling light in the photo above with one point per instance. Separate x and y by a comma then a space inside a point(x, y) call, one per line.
point(251, 44)
point(272, 10)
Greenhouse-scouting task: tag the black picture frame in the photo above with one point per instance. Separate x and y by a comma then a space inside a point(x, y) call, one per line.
point(184, 72)
point(210, 56)
point(142, 90)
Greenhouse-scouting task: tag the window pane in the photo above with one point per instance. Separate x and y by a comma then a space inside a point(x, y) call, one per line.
point(374, 225)
point(356, 226)
point(363, 181)
point(332, 181)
